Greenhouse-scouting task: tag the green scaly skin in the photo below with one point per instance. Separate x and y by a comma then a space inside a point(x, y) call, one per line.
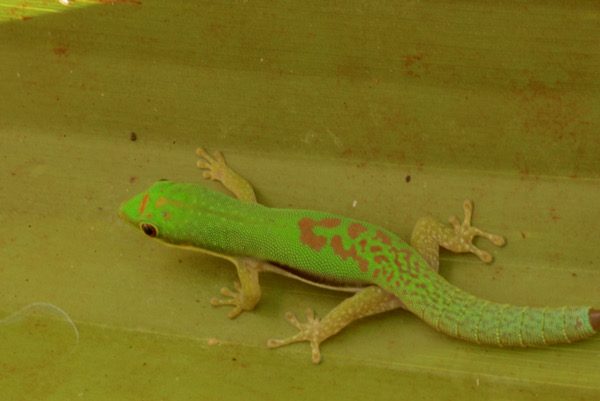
point(341, 253)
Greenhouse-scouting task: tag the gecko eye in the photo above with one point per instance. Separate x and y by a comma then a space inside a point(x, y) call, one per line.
point(149, 230)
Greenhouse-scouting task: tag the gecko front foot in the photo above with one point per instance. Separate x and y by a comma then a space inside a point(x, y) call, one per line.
point(465, 234)
point(309, 331)
point(215, 166)
point(237, 299)
point(217, 170)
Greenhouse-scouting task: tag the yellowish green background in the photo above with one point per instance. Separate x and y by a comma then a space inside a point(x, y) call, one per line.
point(379, 110)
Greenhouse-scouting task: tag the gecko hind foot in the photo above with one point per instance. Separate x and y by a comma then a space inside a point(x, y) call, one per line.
point(465, 234)
point(309, 331)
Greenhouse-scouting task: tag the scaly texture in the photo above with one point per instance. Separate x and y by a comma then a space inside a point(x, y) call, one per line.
point(342, 253)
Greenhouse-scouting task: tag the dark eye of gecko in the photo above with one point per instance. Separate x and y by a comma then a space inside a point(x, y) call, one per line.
point(149, 230)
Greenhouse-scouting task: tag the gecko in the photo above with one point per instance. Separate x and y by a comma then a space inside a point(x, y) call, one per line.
point(381, 271)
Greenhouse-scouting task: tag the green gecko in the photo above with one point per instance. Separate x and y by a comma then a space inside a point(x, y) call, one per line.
point(340, 253)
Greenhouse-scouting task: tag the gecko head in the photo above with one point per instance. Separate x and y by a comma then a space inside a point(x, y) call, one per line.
point(155, 211)
point(179, 214)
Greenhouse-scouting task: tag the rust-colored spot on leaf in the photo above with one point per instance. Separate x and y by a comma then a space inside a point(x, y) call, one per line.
point(60, 51)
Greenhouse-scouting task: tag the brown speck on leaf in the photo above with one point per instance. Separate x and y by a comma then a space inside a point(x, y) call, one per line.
point(60, 51)
point(132, 136)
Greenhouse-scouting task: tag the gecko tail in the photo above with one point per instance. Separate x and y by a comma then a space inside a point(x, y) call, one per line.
point(470, 318)
point(595, 319)
point(491, 323)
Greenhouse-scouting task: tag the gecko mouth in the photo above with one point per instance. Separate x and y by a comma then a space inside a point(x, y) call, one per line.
point(125, 217)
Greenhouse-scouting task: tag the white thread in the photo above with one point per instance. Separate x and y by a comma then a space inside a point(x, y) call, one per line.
point(19, 314)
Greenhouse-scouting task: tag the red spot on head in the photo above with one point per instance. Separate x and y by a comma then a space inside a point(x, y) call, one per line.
point(144, 203)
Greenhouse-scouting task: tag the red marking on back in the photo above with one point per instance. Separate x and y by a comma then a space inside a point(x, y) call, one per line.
point(307, 235)
point(363, 245)
point(390, 276)
point(383, 237)
point(356, 229)
point(376, 248)
point(379, 259)
point(329, 222)
point(338, 248)
point(144, 203)
point(403, 262)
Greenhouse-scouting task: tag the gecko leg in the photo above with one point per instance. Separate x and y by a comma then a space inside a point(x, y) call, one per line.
point(247, 290)
point(366, 302)
point(428, 235)
point(218, 170)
